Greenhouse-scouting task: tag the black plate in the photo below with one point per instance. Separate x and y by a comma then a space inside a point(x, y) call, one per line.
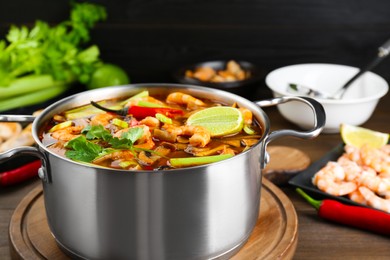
point(303, 180)
point(232, 86)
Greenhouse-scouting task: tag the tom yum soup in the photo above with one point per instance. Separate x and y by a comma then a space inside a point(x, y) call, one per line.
point(146, 132)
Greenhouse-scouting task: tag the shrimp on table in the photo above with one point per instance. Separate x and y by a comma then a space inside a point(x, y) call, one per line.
point(375, 201)
point(330, 179)
point(351, 168)
point(67, 133)
point(184, 99)
point(352, 153)
point(376, 184)
point(377, 159)
point(200, 136)
point(357, 197)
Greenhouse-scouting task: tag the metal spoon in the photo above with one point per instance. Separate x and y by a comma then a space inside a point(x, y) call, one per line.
point(383, 52)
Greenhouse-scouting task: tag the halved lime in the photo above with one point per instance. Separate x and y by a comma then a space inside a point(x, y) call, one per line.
point(218, 120)
point(108, 75)
point(359, 136)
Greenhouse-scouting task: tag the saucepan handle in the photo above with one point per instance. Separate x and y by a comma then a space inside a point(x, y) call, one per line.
point(43, 172)
point(17, 118)
point(319, 120)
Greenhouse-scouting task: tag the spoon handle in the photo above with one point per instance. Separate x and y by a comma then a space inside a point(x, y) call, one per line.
point(383, 51)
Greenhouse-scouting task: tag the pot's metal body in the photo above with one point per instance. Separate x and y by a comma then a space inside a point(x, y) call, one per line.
point(192, 213)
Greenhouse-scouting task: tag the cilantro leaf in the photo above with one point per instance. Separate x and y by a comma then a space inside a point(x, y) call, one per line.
point(82, 149)
point(97, 132)
point(118, 143)
point(127, 138)
point(133, 134)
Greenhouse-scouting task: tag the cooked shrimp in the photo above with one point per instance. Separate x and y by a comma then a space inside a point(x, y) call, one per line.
point(150, 121)
point(386, 149)
point(330, 179)
point(200, 136)
point(247, 115)
point(102, 119)
point(351, 168)
point(357, 197)
point(68, 133)
point(24, 138)
point(375, 158)
point(9, 129)
point(203, 73)
point(376, 184)
point(184, 99)
point(353, 153)
point(375, 201)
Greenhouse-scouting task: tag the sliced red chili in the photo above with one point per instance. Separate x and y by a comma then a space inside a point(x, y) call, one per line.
point(142, 112)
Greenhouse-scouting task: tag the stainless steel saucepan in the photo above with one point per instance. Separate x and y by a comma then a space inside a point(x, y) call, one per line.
point(201, 212)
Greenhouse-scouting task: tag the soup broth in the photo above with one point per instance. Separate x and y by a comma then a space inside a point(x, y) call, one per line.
point(146, 132)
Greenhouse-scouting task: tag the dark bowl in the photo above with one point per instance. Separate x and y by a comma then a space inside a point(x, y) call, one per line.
point(237, 87)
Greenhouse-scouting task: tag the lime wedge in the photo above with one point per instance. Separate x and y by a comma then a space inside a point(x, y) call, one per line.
point(359, 136)
point(218, 121)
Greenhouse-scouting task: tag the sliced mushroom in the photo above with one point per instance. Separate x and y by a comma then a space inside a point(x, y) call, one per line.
point(206, 151)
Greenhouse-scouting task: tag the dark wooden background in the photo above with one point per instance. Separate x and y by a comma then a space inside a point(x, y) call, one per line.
point(151, 38)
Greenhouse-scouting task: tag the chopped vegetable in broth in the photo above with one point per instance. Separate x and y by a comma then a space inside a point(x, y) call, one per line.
point(146, 132)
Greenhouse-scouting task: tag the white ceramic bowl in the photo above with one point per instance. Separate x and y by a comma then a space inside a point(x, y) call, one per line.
point(354, 108)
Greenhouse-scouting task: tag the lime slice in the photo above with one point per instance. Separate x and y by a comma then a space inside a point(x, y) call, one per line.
point(359, 136)
point(218, 120)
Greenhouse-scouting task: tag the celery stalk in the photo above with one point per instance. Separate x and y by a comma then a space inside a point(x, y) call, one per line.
point(32, 97)
point(27, 84)
point(194, 161)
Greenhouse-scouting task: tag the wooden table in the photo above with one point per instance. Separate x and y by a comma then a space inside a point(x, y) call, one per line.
point(318, 239)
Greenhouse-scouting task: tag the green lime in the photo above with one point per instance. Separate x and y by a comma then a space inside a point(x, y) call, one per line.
point(108, 75)
point(218, 120)
point(359, 136)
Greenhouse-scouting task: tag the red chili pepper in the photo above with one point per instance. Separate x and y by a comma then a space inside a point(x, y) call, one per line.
point(141, 112)
point(20, 174)
point(355, 216)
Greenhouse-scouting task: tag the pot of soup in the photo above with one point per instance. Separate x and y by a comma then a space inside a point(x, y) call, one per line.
point(154, 171)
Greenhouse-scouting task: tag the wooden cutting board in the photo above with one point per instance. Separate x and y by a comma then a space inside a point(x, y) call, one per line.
point(285, 162)
point(275, 235)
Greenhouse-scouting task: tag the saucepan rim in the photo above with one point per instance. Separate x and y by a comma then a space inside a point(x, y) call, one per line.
point(58, 106)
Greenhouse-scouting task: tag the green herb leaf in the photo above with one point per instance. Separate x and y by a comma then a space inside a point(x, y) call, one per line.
point(97, 132)
point(133, 134)
point(118, 143)
point(82, 149)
